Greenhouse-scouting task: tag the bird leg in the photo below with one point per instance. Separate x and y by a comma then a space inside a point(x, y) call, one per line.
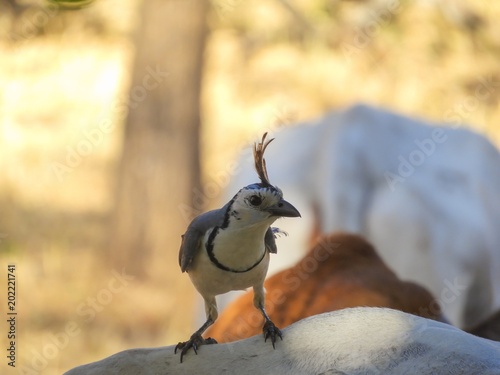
point(270, 330)
point(196, 340)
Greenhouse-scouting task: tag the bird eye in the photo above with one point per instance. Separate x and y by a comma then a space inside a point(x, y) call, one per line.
point(255, 200)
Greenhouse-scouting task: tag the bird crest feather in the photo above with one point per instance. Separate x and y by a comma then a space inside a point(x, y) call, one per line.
point(260, 162)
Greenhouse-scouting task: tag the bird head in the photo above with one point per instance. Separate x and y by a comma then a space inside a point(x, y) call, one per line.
point(261, 202)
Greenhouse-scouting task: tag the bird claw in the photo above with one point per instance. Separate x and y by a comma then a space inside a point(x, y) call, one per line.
point(195, 341)
point(271, 331)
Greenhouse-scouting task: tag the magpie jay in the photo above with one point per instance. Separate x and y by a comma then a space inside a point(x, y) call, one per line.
point(228, 249)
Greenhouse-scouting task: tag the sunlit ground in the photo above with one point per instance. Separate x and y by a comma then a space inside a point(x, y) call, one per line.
point(57, 91)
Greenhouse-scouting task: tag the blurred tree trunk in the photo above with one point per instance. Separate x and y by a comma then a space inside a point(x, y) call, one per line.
point(160, 160)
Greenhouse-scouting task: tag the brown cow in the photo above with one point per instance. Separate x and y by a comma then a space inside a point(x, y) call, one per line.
point(342, 270)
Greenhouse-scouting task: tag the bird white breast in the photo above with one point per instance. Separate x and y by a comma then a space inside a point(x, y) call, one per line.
point(237, 251)
point(240, 248)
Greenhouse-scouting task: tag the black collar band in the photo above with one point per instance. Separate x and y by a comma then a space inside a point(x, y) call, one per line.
point(215, 261)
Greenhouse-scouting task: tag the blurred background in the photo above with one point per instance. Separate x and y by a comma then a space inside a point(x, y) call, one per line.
point(119, 121)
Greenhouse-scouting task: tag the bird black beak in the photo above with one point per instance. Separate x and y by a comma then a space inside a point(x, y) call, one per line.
point(283, 209)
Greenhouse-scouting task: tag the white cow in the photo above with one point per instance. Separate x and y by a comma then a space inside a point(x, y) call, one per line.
point(358, 341)
point(427, 196)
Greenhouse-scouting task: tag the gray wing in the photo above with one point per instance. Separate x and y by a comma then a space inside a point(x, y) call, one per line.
point(270, 241)
point(192, 239)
